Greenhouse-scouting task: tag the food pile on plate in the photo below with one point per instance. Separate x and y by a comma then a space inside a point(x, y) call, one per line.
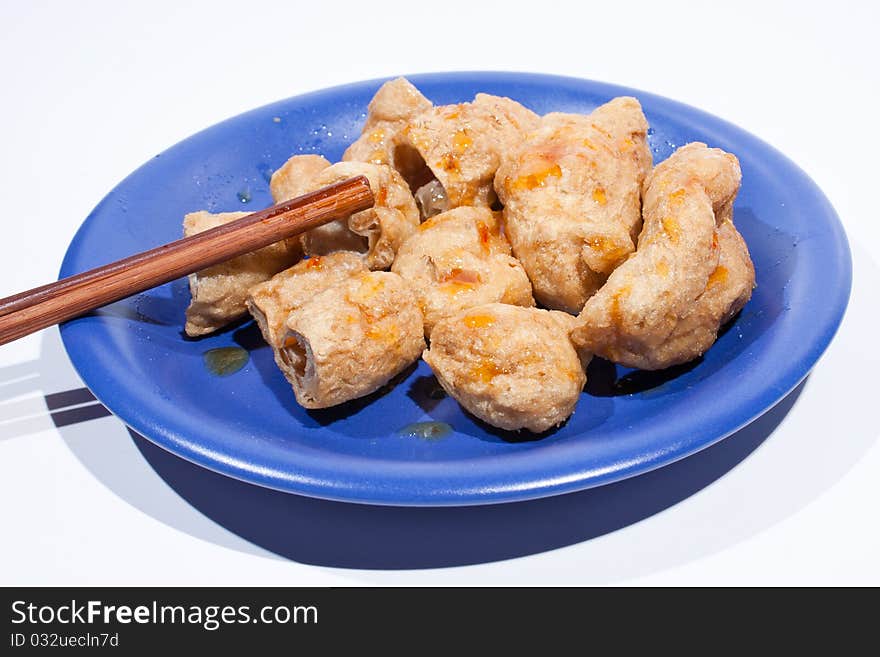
point(504, 248)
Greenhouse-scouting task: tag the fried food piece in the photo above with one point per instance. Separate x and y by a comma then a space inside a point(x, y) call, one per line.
point(728, 289)
point(271, 302)
point(460, 259)
point(376, 232)
point(351, 339)
point(219, 293)
point(512, 367)
point(571, 195)
point(651, 313)
point(396, 103)
point(295, 176)
point(462, 146)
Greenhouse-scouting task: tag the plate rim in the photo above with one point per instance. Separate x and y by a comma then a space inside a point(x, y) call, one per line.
point(477, 494)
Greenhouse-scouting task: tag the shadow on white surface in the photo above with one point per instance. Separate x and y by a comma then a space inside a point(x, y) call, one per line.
point(102, 447)
point(748, 482)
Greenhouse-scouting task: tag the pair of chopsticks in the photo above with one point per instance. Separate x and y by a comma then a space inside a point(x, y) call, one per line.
point(26, 312)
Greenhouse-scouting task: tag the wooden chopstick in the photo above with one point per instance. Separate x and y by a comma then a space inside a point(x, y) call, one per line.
point(26, 312)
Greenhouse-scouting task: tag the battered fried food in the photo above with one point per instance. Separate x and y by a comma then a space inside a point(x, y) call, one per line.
point(512, 367)
point(571, 195)
point(728, 289)
point(271, 302)
point(460, 259)
point(396, 103)
point(295, 176)
point(376, 232)
point(351, 339)
point(219, 293)
point(664, 305)
point(462, 146)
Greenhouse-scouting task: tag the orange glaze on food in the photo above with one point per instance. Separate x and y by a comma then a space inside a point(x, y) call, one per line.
point(429, 223)
point(289, 342)
point(590, 145)
point(715, 240)
point(627, 145)
point(456, 287)
point(370, 285)
point(663, 268)
point(616, 314)
point(458, 280)
point(599, 195)
point(378, 156)
point(478, 321)
point(468, 196)
point(672, 228)
point(570, 375)
point(677, 197)
point(449, 163)
point(602, 132)
point(608, 248)
point(485, 237)
point(718, 277)
point(537, 179)
point(461, 141)
point(382, 195)
point(385, 332)
point(376, 136)
point(315, 262)
point(486, 371)
point(463, 276)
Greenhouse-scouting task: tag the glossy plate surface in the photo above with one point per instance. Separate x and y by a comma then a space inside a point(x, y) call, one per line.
point(135, 359)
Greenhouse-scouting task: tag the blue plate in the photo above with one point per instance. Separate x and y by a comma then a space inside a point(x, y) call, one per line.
point(135, 359)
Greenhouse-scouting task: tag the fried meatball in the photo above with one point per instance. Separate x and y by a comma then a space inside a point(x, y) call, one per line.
point(376, 232)
point(271, 302)
point(396, 103)
point(644, 315)
point(571, 195)
point(219, 293)
point(351, 339)
point(460, 259)
point(295, 176)
point(462, 146)
point(512, 367)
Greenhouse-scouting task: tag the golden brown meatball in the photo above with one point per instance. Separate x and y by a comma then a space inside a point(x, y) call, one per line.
point(271, 302)
point(295, 176)
point(396, 102)
point(460, 259)
point(219, 293)
point(647, 314)
point(512, 367)
point(728, 289)
point(378, 231)
point(462, 146)
point(571, 195)
point(351, 339)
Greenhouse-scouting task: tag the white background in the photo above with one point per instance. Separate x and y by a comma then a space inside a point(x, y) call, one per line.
point(93, 89)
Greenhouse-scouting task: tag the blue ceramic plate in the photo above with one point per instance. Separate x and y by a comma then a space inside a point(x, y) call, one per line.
point(135, 359)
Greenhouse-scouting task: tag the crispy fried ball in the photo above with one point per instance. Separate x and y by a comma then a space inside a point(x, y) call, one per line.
point(512, 367)
point(351, 339)
point(459, 259)
point(271, 302)
point(376, 232)
point(571, 195)
point(219, 293)
point(396, 103)
point(462, 146)
point(663, 305)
